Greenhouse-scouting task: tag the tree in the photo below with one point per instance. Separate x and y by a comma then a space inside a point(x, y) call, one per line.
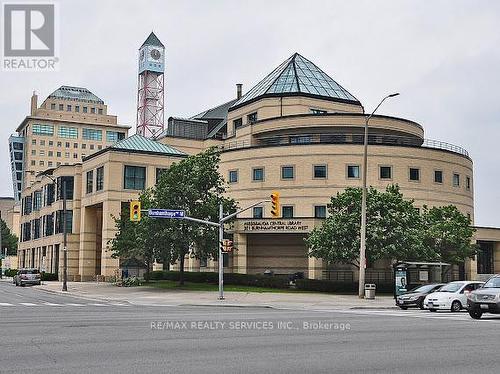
point(195, 186)
point(449, 234)
point(9, 240)
point(393, 228)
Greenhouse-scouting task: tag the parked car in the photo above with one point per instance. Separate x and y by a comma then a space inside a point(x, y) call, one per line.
point(452, 296)
point(485, 299)
point(416, 296)
point(27, 276)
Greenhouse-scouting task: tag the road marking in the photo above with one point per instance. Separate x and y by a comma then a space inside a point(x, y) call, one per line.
point(96, 304)
point(6, 304)
point(52, 304)
point(118, 304)
point(28, 304)
point(71, 304)
point(463, 316)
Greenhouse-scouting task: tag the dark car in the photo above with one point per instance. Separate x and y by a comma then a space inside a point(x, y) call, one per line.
point(485, 299)
point(27, 276)
point(416, 296)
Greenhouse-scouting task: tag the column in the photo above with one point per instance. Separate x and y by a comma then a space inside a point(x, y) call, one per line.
point(109, 266)
point(87, 260)
point(240, 255)
point(315, 268)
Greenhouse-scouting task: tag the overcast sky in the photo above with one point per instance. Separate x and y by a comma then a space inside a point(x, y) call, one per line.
point(442, 56)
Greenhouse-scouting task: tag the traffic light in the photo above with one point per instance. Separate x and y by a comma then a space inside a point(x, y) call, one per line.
point(275, 204)
point(135, 211)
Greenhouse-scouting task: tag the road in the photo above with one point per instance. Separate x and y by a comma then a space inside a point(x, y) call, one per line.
point(42, 332)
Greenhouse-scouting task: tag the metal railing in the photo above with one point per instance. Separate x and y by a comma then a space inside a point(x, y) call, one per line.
point(345, 138)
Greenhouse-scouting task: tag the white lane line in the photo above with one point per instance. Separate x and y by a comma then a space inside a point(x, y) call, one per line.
point(29, 304)
point(6, 304)
point(71, 304)
point(52, 304)
point(96, 304)
point(118, 304)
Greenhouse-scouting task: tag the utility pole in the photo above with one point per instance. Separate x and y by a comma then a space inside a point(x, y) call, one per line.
point(362, 247)
point(65, 240)
point(221, 254)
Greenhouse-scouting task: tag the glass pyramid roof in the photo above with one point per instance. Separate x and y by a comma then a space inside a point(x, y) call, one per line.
point(297, 76)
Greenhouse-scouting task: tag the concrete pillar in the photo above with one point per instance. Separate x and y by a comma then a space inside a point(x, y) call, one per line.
point(240, 256)
point(315, 268)
point(87, 260)
point(471, 269)
point(110, 209)
point(496, 258)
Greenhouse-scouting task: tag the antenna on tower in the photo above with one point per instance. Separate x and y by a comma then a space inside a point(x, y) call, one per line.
point(150, 90)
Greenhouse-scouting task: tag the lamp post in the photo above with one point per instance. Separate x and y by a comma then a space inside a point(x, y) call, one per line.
point(362, 247)
point(65, 234)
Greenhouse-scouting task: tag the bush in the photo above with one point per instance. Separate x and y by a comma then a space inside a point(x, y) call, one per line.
point(10, 272)
point(332, 286)
point(49, 276)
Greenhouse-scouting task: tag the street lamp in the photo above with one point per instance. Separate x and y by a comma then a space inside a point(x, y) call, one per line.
point(65, 235)
point(362, 247)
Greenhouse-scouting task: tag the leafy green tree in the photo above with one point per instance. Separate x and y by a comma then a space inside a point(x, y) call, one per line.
point(195, 186)
point(393, 228)
point(449, 234)
point(9, 240)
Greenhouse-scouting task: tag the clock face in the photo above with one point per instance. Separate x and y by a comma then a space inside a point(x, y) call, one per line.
point(155, 54)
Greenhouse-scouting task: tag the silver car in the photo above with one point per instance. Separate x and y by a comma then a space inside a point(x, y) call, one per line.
point(27, 276)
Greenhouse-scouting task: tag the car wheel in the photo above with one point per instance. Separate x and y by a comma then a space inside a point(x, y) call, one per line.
point(476, 314)
point(432, 310)
point(456, 306)
point(404, 307)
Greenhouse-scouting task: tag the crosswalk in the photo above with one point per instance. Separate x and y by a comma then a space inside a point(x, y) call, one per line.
point(41, 304)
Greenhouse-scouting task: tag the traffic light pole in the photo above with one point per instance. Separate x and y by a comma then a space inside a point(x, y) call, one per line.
point(221, 254)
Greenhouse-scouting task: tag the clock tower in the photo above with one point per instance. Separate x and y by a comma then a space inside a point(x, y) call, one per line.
point(150, 92)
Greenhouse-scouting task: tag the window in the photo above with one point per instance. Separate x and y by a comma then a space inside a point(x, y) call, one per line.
point(75, 145)
point(59, 144)
point(233, 176)
point(37, 200)
point(19, 166)
point(51, 143)
point(85, 109)
point(99, 178)
point(41, 163)
point(90, 181)
point(68, 132)
point(134, 177)
point(84, 146)
point(258, 212)
point(414, 174)
point(159, 172)
point(66, 154)
point(33, 142)
point(42, 142)
point(319, 171)
point(287, 172)
point(53, 106)
point(39, 129)
point(69, 180)
point(456, 180)
point(59, 221)
point(75, 155)
point(318, 111)
point(92, 110)
point(33, 152)
point(100, 111)
point(353, 171)
point(467, 183)
point(18, 146)
point(42, 152)
point(114, 136)
point(258, 174)
point(33, 162)
point(99, 147)
point(92, 134)
point(58, 154)
point(237, 123)
point(438, 176)
point(18, 156)
point(77, 108)
point(91, 146)
point(385, 172)
point(287, 211)
point(49, 163)
point(67, 144)
point(252, 117)
point(68, 108)
point(320, 211)
point(61, 106)
point(51, 153)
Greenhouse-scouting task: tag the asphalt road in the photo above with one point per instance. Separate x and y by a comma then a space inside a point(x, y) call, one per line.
point(50, 333)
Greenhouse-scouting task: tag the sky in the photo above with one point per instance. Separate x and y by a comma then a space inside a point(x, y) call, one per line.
point(441, 56)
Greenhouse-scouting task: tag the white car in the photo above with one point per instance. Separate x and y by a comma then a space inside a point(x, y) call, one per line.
point(452, 296)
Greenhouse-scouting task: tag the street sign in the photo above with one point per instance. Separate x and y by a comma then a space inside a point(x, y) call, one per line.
point(166, 213)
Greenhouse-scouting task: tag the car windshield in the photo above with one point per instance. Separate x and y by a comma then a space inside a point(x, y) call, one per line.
point(492, 283)
point(451, 287)
point(424, 288)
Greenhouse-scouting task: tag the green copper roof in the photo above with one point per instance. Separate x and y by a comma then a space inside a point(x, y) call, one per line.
point(294, 77)
point(76, 94)
point(139, 143)
point(153, 40)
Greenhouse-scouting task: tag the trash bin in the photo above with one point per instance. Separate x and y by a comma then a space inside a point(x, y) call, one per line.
point(370, 291)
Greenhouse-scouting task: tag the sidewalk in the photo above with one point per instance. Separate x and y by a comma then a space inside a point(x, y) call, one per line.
point(153, 296)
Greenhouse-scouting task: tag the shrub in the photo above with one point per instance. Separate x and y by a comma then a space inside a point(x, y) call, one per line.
point(333, 286)
point(10, 272)
point(48, 276)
